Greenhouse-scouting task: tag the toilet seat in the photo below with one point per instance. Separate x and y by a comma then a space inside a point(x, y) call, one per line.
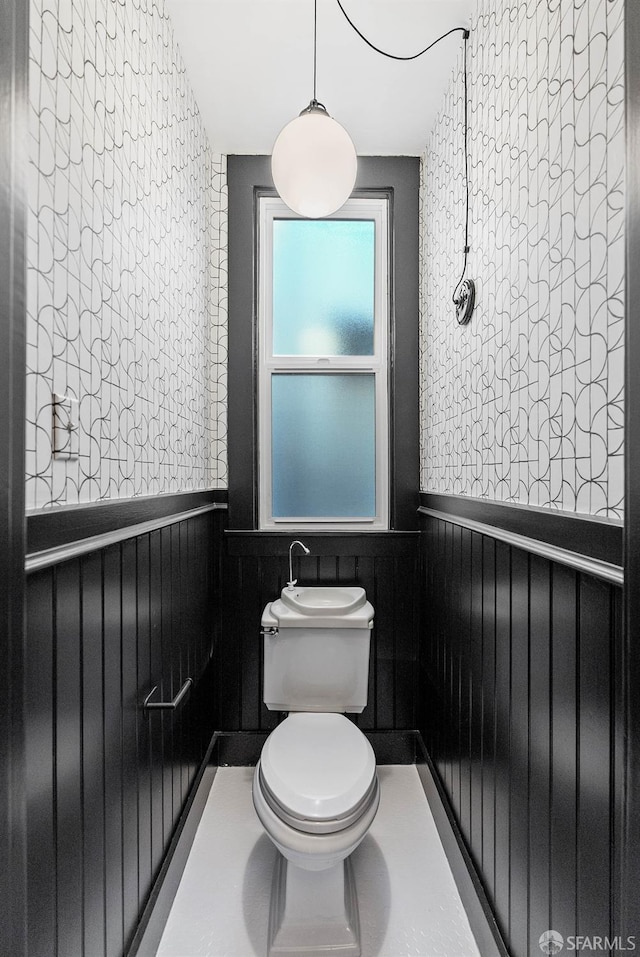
point(317, 772)
point(315, 826)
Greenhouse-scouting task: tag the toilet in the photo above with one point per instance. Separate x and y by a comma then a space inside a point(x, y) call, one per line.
point(315, 787)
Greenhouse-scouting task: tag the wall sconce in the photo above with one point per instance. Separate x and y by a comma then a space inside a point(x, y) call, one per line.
point(314, 162)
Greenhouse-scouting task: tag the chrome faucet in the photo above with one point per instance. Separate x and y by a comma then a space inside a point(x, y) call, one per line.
point(293, 581)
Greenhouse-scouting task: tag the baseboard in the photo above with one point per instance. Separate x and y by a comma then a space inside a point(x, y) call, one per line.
point(393, 747)
point(476, 903)
point(156, 912)
point(242, 748)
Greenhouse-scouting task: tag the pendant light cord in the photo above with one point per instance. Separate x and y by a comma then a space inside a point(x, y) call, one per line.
point(414, 56)
point(315, 46)
point(392, 56)
point(466, 168)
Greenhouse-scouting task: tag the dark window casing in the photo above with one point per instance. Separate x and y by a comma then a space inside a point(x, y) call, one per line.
point(396, 178)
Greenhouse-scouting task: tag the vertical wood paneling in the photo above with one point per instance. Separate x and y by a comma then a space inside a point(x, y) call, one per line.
point(619, 781)
point(165, 689)
point(539, 750)
point(450, 651)
point(40, 744)
point(130, 758)
point(176, 675)
point(384, 649)
point(93, 757)
point(438, 675)
point(502, 797)
point(106, 783)
point(229, 672)
point(519, 753)
point(112, 679)
point(489, 714)
point(68, 759)
point(594, 759)
point(155, 724)
point(520, 659)
point(466, 675)
point(564, 741)
point(405, 631)
point(476, 685)
point(143, 725)
point(250, 611)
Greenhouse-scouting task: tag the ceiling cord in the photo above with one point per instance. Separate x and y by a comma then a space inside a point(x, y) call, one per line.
point(392, 56)
point(466, 167)
point(464, 292)
point(315, 46)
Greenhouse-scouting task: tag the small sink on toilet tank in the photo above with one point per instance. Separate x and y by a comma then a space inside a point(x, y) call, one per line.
point(320, 599)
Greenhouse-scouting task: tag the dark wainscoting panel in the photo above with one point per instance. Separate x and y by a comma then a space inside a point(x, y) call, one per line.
point(519, 691)
point(105, 782)
point(53, 527)
point(587, 535)
point(256, 569)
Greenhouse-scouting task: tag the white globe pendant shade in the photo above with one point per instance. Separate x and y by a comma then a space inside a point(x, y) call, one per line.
point(314, 163)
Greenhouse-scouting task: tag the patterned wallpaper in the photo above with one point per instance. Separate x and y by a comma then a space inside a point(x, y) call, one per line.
point(127, 259)
point(525, 404)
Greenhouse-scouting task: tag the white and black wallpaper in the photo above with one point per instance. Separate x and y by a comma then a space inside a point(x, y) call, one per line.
point(127, 259)
point(526, 403)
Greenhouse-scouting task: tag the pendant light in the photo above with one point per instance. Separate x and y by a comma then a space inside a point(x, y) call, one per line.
point(314, 162)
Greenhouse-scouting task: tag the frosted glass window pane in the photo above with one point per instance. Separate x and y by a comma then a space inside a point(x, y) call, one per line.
point(323, 287)
point(323, 445)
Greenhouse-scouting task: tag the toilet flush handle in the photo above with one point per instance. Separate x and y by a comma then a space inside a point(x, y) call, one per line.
point(270, 631)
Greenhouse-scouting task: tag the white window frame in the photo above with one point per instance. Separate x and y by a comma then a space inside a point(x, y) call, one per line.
point(376, 209)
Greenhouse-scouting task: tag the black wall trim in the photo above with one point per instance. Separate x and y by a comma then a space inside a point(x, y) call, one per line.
point(52, 528)
point(64, 553)
point(475, 901)
point(628, 904)
point(154, 917)
point(594, 537)
point(14, 115)
point(399, 177)
point(242, 748)
point(321, 543)
point(562, 556)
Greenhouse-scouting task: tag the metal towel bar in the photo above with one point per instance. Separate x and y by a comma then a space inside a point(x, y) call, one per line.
point(167, 705)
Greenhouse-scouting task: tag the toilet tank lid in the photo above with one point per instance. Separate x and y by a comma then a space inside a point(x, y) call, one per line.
point(318, 765)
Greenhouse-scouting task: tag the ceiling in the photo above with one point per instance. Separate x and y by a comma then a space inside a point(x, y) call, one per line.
point(250, 63)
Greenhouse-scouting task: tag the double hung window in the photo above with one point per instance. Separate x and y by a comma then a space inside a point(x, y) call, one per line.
point(323, 321)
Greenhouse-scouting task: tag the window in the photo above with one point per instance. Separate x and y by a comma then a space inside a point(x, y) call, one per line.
point(323, 321)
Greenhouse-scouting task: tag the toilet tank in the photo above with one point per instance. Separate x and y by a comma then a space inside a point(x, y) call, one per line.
point(316, 662)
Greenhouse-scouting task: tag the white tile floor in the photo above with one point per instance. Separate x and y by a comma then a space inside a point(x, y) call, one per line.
point(409, 904)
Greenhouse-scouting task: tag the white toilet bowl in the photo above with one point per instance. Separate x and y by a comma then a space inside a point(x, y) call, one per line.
point(316, 792)
point(315, 788)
